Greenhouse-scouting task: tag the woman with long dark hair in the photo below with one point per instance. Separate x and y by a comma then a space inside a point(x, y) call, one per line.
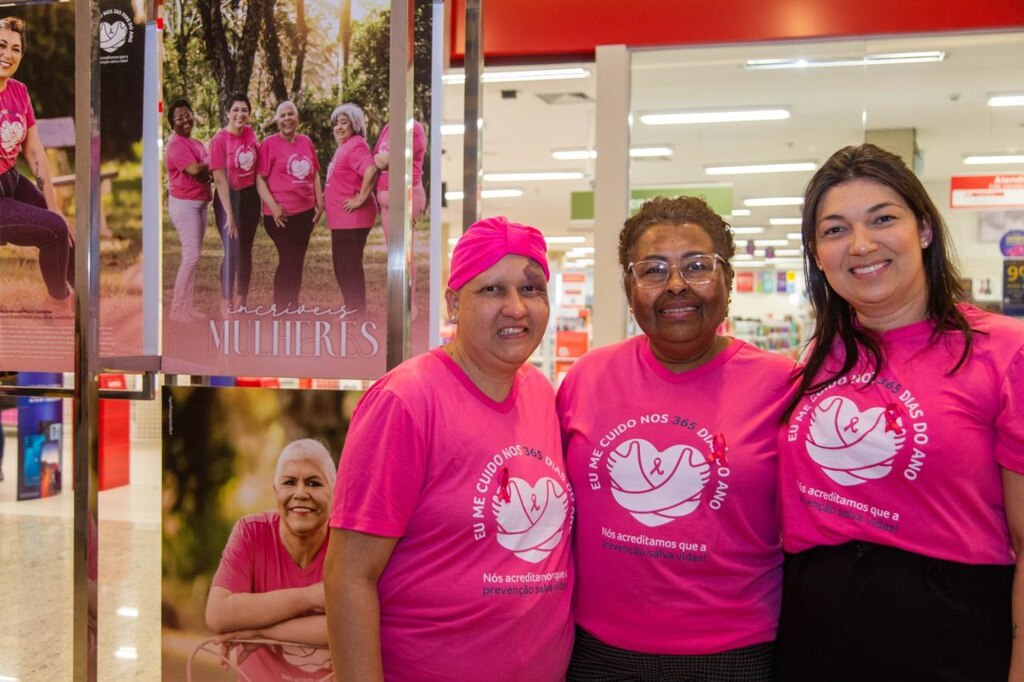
point(234, 153)
point(901, 463)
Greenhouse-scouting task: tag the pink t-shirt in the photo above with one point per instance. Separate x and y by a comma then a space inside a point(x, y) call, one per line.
point(480, 583)
point(237, 155)
point(911, 459)
point(254, 561)
point(419, 150)
point(16, 117)
point(289, 168)
point(344, 179)
point(677, 536)
point(180, 153)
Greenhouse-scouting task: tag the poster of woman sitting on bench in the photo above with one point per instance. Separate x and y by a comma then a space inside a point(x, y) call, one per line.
point(37, 186)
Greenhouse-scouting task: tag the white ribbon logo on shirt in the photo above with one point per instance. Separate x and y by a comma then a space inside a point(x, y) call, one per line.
point(245, 158)
point(656, 486)
point(299, 167)
point(530, 518)
point(850, 445)
point(11, 134)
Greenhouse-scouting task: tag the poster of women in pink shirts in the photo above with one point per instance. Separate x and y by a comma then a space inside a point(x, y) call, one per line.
point(283, 313)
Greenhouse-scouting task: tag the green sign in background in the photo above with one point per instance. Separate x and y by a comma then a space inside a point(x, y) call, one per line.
point(718, 196)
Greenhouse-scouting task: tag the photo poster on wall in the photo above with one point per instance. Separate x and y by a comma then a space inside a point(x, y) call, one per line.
point(40, 428)
point(278, 288)
point(37, 265)
point(242, 469)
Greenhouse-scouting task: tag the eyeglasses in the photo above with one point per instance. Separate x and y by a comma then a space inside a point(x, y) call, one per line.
point(697, 269)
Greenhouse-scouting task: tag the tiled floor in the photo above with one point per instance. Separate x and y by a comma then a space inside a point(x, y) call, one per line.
point(36, 577)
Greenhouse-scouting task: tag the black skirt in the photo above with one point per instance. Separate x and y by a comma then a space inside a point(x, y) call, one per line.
point(861, 611)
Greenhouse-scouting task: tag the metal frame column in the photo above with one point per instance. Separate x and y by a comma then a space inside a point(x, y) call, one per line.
point(472, 169)
point(400, 237)
point(611, 189)
point(86, 395)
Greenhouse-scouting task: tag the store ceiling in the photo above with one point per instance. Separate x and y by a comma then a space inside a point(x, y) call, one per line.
point(944, 102)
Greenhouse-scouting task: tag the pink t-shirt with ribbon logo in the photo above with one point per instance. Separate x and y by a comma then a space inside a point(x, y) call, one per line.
point(677, 535)
point(911, 457)
point(480, 583)
point(16, 117)
point(237, 155)
point(289, 168)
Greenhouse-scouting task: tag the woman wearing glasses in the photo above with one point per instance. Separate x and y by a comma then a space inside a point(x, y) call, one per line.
point(670, 441)
point(29, 215)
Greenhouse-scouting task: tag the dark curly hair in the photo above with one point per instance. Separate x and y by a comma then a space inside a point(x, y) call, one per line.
point(174, 106)
point(834, 315)
point(676, 211)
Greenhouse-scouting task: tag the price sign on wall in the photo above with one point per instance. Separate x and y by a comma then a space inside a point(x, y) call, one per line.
point(1013, 287)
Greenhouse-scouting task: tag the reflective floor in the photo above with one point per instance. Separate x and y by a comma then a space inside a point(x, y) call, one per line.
point(36, 575)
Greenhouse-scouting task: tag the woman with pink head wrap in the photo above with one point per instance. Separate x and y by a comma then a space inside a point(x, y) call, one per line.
point(449, 556)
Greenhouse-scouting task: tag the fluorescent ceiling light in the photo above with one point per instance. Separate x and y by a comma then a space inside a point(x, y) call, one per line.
point(791, 167)
point(750, 264)
point(587, 154)
point(720, 116)
point(1008, 100)
point(797, 236)
point(128, 612)
point(785, 221)
point(453, 128)
point(988, 159)
point(740, 212)
point(459, 195)
point(579, 251)
point(573, 154)
point(520, 177)
point(869, 60)
point(747, 230)
point(520, 75)
point(584, 262)
point(128, 653)
point(774, 201)
point(782, 252)
point(650, 152)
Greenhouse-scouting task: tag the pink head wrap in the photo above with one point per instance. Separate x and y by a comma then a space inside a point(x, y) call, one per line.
point(489, 240)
